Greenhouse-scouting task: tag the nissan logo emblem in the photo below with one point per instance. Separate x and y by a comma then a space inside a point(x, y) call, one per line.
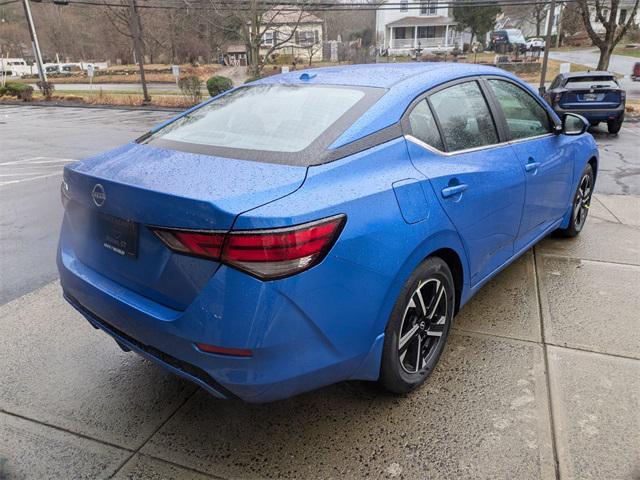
point(98, 195)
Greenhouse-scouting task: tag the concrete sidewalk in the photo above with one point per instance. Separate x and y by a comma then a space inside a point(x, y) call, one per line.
point(541, 379)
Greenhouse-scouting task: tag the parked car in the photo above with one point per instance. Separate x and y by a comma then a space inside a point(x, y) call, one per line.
point(635, 74)
point(595, 95)
point(310, 228)
point(535, 44)
point(507, 40)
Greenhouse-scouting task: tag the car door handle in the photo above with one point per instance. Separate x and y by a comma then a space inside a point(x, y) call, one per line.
point(531, 166)
point(454, 190)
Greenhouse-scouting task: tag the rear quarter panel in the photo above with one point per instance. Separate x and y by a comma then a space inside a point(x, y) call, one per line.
point(351, 293)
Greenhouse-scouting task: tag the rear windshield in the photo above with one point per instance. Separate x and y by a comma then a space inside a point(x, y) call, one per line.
point(595, 81)
point(265, 120)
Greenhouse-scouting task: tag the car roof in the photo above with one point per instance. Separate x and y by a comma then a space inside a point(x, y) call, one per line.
point(593, 73)
point(403, 82)
point(380, 75)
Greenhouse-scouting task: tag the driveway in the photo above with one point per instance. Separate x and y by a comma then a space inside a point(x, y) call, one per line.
point(620, 64)
point(540, 379)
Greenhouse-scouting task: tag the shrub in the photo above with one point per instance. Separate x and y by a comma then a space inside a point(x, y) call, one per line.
point(47, 89)
point(191, 86)
point(20, 90)
point(3, 91)
point(218, 84)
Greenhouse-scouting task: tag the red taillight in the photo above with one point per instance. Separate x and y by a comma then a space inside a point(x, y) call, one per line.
point(267, 254)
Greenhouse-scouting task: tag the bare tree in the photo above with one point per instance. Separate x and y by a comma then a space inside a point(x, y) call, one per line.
point(312, 49)
point(254, 20)
point(127, 22)
point(538, 15)
point(572, 19)
point(613, 32)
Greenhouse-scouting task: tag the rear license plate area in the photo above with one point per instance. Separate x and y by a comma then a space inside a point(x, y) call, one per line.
point(590, 97)
point(118, 235)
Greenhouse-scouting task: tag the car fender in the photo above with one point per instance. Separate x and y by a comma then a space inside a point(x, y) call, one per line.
point(369, 369)
point(585, 148)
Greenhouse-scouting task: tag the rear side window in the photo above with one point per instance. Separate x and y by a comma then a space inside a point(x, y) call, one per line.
point(464, 117)
point(268, 118)
point(524, 115)
point(423, 125)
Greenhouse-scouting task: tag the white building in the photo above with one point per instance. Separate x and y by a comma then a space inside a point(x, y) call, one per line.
point(625, 9)
point(307, 37)
point(523, 18)
point(412, 24)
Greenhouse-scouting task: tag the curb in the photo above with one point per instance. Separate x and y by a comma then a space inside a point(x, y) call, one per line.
point(19, 103)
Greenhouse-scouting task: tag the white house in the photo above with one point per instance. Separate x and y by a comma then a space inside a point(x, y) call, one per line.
point(523, 18)
point(402, 26)
point(625, 9)
point(307, 38)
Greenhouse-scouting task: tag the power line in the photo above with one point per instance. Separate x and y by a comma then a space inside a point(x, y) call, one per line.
point(330, 7)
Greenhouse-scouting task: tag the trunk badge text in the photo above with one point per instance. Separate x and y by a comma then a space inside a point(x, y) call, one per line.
point(98, 195)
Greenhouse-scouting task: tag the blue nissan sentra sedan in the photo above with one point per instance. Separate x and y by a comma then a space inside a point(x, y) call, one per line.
point(322, 226)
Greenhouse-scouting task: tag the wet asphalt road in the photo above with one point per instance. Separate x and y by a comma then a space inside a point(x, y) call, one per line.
point(36, 142)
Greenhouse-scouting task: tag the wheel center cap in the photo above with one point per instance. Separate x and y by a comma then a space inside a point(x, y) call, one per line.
point(423, 325)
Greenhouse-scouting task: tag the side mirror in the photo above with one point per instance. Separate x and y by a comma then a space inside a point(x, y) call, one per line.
point(574, 124)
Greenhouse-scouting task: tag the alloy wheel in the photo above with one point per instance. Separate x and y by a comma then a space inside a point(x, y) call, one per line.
point(582, 201)
point(423, 324)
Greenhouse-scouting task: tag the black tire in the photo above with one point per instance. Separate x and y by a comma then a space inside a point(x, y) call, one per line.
point(404, 369)
point(614, 125)
point(581, 203)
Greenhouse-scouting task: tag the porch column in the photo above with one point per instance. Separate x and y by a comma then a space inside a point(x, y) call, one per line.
point(390, 39)
point(415, 37)
point(446, 35)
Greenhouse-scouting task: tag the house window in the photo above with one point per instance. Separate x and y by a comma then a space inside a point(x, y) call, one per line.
point(427, 8)
point(269, 38)
point(404, 5)
point(401, 33)
point(306, 37)
point(623, 17)
point(426, 32)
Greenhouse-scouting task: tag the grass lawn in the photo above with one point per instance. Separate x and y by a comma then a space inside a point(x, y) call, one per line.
point(627, 52)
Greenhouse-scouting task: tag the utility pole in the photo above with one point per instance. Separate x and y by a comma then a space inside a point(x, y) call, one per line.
point(136, 30)
point(547, 45)
point(34, 41)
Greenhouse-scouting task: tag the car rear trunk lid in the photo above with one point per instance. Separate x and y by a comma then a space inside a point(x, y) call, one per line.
point(122, 192)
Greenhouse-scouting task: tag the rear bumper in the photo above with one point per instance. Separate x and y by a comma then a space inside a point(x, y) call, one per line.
point(294, 350)
point(176, 366)
point(593, 114)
